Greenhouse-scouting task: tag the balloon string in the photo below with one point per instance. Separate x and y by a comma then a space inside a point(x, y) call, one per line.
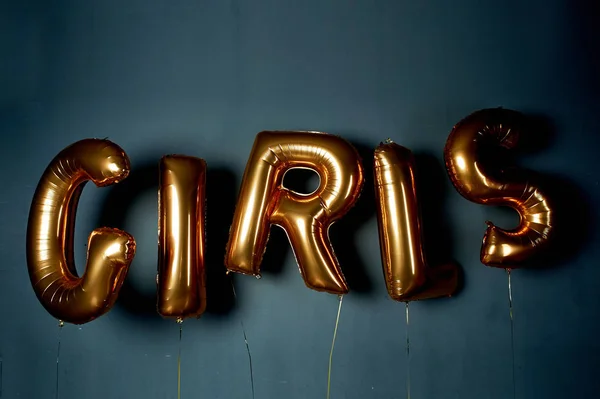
point(1, 375)
point(246, 342)
point(180, 322)
point(249, 357)
point(337, 322)
point(407, 355)
point(60, 326)
point(512, 333)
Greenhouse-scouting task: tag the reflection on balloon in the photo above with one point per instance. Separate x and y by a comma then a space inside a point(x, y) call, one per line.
point(50, 233)
point(405, 269)
point(468, 155)
point(181, 205)
point(306, 218)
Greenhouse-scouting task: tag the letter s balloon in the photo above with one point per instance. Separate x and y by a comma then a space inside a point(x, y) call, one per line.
point(482, 181)
point(50, 233)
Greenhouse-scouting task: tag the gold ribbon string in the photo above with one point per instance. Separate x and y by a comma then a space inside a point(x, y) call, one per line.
point(60, 326)
point(512, 332)
point(180, 322)
point(337, 321)
point(407, 355)
point(245, 341)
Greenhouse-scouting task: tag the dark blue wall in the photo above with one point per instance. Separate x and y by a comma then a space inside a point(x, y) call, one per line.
point(202, 78)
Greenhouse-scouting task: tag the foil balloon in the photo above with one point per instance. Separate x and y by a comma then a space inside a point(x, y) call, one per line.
point(407, 274)
point(50, 231)
point(468, 155)
point(181, 206)
point(306, 218)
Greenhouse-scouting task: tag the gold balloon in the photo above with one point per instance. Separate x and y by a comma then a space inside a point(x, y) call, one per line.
point(181, 234)
point(405, 269)
point(51, 228)
point(306, 218)
point(481, 180)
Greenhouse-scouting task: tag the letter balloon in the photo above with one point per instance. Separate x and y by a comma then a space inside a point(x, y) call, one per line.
point(181, 205)
point(479, 179)
point(306, 218)
point(51, 229)
point(405, 268)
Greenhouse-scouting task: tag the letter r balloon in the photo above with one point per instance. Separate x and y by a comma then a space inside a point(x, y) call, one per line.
point(306, 218)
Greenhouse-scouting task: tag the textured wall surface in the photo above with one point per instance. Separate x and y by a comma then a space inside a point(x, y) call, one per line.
point(202, 78)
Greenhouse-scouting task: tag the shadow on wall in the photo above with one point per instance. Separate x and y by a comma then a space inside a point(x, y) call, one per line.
point(574, 215)
point(432, 192)
point(583, 16)
point(221, 200)
point(573, 225)
point(344, 232)
point(220, 193)
point(117, 204)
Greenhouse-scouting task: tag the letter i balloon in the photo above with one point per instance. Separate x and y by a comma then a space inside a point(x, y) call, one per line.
point(181, 205)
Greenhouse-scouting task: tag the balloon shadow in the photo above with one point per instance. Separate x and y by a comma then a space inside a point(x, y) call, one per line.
point(114, 212)
point(583, 20)
point(538, 133)
point(574, 217)
point(220, 202)
point(573, 224)
point(572, 208)
point(344, 232)
point(221, 188)
point(432, 191)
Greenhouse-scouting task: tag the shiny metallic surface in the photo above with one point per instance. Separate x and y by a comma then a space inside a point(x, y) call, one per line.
point(181, 237)
point(306, 218)
point(486, 182)
point(407, 274)
point(50, 233)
